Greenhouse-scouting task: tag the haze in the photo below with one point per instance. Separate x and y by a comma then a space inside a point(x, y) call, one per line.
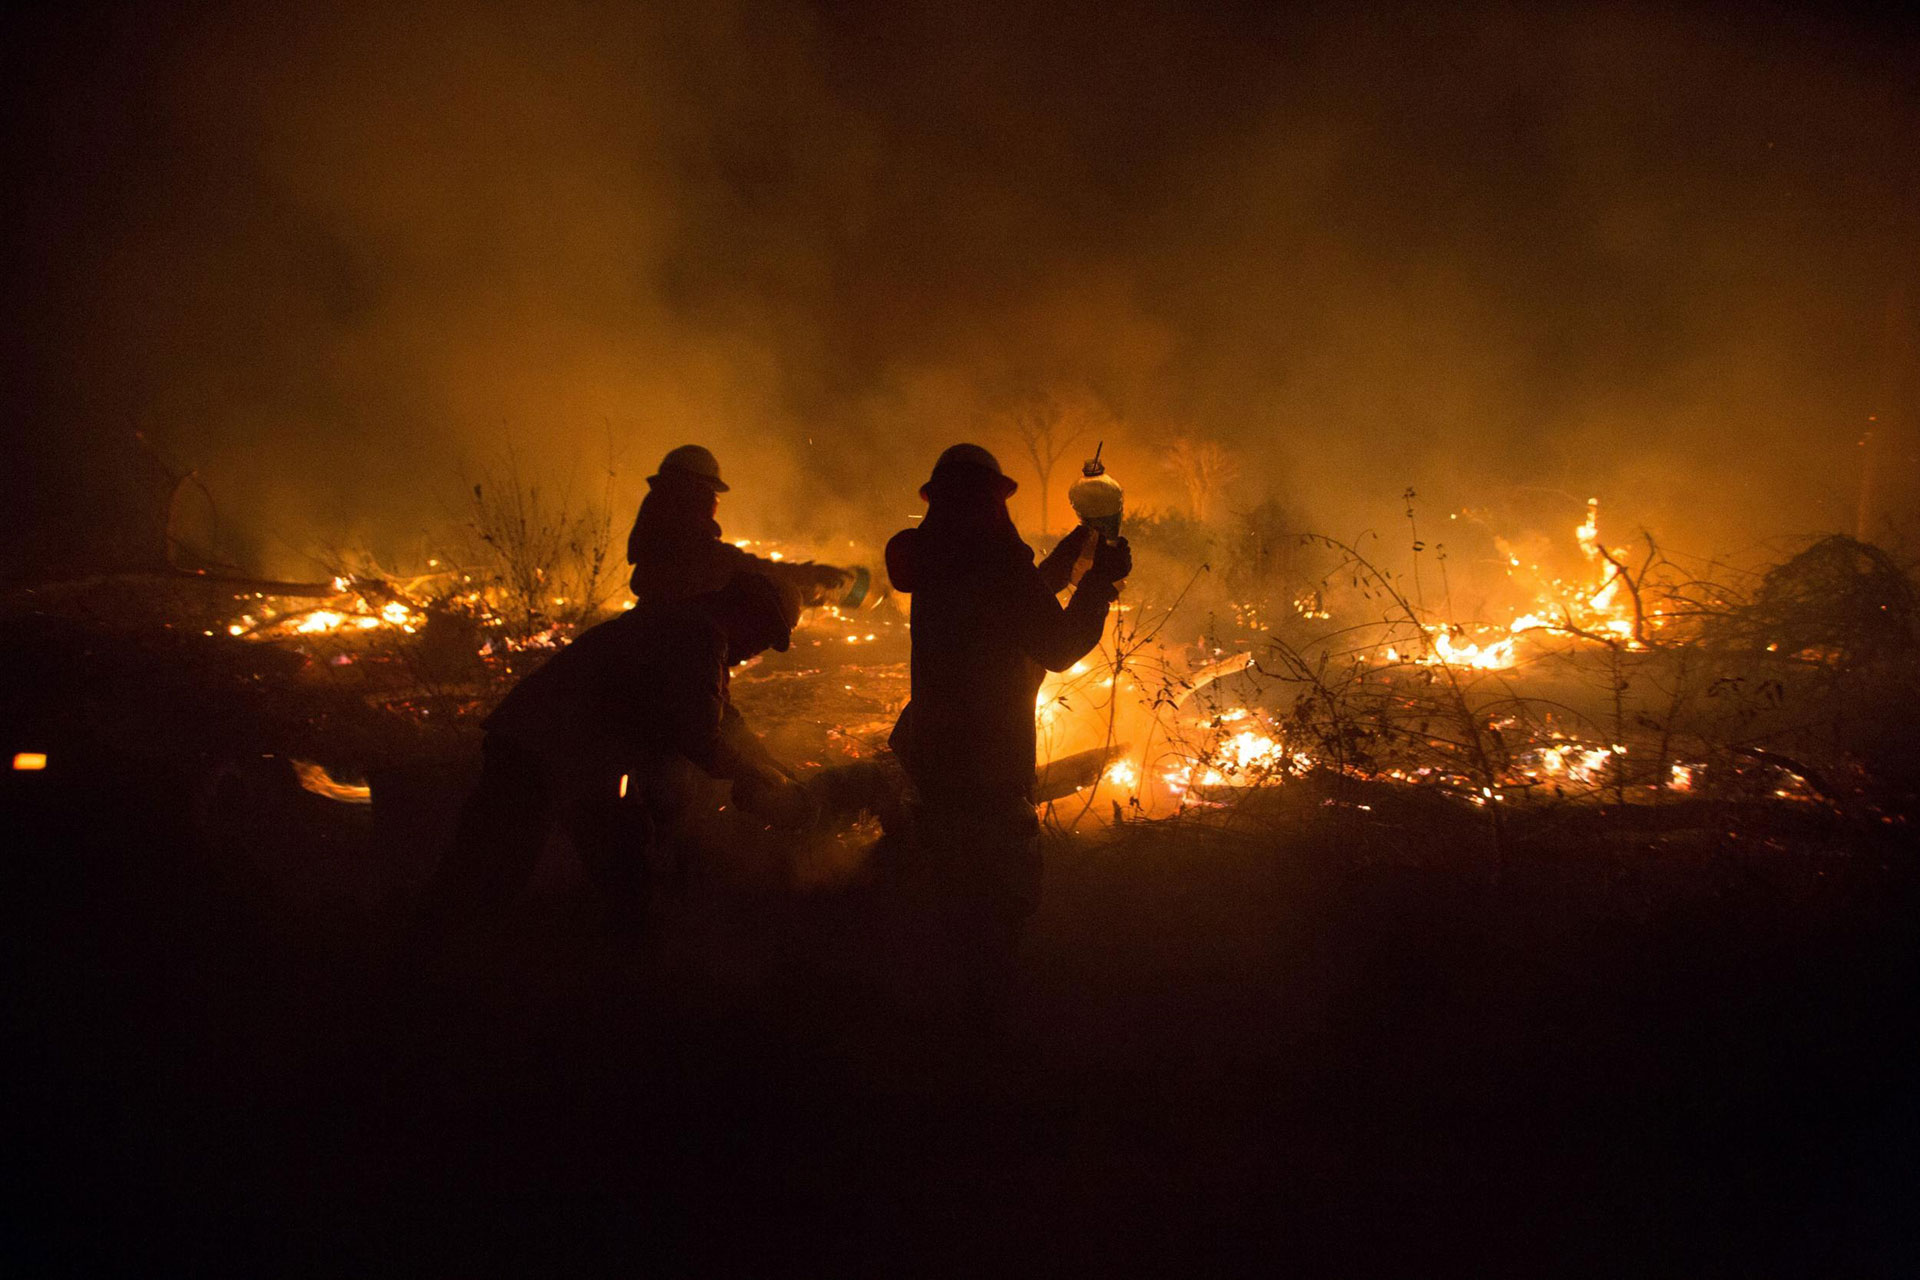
point(335, 256)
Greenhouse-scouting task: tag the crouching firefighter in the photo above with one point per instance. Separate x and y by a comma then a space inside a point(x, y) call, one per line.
point(986, 628)
point(597, 742)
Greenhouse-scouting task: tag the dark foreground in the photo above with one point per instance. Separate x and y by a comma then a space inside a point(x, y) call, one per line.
point(1681, 1053)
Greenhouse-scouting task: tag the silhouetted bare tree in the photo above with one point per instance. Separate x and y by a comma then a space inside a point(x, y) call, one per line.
point(1204, 469)
point(1048, 426)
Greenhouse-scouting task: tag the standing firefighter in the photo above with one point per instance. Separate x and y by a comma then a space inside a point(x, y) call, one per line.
point(676, 549)
point(597, 742)
point(986, 627)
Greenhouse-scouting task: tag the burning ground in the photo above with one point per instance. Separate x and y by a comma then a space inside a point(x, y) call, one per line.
point(1626, 678)
point(1580, 929)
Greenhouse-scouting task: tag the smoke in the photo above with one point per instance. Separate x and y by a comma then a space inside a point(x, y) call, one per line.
point(335, 256)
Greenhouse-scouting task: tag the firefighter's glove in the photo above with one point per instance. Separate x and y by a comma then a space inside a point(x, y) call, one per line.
point(776, 800)
point(1112, 561)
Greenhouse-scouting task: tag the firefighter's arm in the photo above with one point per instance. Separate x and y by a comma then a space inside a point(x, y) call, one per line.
point(698, 718)
point(712, 562)
point(761, 785)
point(1057, 638)
point(1056, 567)
point(1054, 637)
point(815, 583)
point(739, 752)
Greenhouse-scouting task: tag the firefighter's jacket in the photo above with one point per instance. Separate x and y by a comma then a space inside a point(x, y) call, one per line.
point(676, 550)
point(630, 695)
point(986, 629)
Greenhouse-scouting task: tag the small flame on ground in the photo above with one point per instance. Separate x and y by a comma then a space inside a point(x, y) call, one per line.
point(315, 778)
point(320, 620)
point(29, 761)
point(1577, 763)
point(1244, 759)
point(1495, 655)
point(1600, 609)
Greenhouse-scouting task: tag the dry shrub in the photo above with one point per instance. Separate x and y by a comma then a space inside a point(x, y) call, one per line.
point(546, 559)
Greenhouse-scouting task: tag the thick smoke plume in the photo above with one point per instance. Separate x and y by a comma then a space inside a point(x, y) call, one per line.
point(335, 256)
